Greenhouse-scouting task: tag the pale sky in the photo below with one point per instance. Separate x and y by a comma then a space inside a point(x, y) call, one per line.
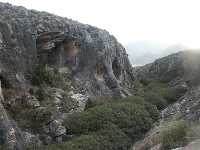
point(160, 21)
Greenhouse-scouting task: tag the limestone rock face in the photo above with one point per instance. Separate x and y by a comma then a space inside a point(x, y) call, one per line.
point(99, 62)
point(90, 61)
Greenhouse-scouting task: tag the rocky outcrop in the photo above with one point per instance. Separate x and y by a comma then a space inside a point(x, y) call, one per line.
point(177, 70)
point(9, 134)
point(187, 106)
point(75, 61)
point(182, 66)
point(29, 37)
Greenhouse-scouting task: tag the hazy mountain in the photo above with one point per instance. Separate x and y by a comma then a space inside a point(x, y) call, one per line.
point(141, 53)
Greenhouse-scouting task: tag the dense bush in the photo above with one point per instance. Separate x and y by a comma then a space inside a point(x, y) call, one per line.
point(172, 94)
point(158, 93)
point(154, 92)
point(115, 136)
point(155, 99)
point(151, 109)
point(109, 137)
point(132, 118)
point(109, 126)
point(84, 142)
point(95, 101)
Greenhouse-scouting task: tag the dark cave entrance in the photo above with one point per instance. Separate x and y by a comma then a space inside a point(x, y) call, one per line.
point(116, 68)
point(4, 82)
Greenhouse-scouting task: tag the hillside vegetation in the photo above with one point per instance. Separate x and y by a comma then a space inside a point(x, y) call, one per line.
point(115, 124)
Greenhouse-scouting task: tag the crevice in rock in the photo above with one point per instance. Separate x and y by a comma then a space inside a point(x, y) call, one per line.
point(71, 47)
point(116, 68)
point(100, 71)
point(4, 82)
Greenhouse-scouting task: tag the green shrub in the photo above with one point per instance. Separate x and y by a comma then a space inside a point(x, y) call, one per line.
point(172, 94)
point(84, 142)
point(151, 109)
point(158, 93)
point(95, 101)
point(155, 99)
point(117, 138)
point(144, 82)
point(133, 119)
point(110, 138)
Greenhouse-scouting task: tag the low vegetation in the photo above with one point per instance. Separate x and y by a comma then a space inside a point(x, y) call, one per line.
point(133, 119)
point(158, 93)
point(108, 138)
point(44, 75)
point(171, 135)
point(110, 126)
point(114, 124)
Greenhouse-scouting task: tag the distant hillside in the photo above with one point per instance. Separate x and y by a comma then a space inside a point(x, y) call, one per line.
point(180, 120)
point(141, 53)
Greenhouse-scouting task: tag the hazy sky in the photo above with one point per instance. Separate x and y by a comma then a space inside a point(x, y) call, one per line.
point(162, 21)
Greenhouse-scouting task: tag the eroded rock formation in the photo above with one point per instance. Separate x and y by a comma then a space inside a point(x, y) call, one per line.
point(86, 61)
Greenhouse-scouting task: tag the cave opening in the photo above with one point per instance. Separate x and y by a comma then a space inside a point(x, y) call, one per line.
point(100, 71)
point(116, 68)
point(4, 82)
point(71, 48)
point(57, 49)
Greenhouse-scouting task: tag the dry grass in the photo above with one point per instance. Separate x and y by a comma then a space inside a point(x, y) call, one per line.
point(171, 135)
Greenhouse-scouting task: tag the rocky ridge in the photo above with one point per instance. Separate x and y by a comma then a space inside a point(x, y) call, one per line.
point(177, 70)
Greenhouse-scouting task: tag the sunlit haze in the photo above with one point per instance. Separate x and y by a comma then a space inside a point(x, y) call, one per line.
point(160, 21)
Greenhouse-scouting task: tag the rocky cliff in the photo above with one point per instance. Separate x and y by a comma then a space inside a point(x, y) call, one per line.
point(49, 67)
